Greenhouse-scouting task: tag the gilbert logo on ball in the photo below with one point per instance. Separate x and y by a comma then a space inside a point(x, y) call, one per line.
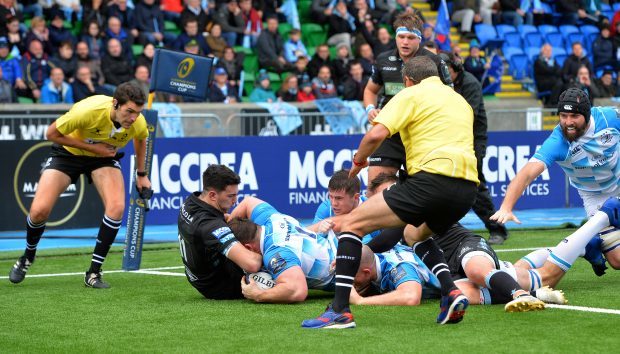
point(263, 280)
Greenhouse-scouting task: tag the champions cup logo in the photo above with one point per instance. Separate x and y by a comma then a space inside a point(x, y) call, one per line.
point(150, 128)
point(25, 183)
point(185, 67)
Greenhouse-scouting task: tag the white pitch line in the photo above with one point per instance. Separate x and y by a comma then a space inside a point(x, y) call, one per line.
point(519, 249)
point(155, 272)
point(583, 308)
point(105, 272)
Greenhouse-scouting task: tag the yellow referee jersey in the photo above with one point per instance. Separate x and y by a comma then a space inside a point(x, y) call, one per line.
point(89, 120)
point(436, 126)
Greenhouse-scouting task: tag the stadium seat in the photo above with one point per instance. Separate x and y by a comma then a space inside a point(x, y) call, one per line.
point(577, 37)
point(587, 29)
point(313, 34)
point(487, 36)
point(170, 26)
point(276, 82)
point(304, 9)
point(519, 66)
point(532, 53)
point(502, 29)
point(284, 29)
point(544, 29)
point(590, 38)
point(525, 29)
point(566, 30)
point(555, 39)
point(136, 49)
point(509, 52)
point(250, 63)
point(512, 39)
point(616, 7)
point(311, 51)
point(242, 49)
point(21, 99)
point(534, 39)
point(560, 58)
point(606, 7)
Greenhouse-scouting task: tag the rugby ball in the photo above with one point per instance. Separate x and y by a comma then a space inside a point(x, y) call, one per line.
point(264, 280)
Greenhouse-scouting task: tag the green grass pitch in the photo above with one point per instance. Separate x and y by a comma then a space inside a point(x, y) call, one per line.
point(163, 313)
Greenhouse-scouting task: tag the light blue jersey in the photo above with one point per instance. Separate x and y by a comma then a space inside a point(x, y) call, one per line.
point(590, 162)
point(325, 211)
point(400, 265)
point(285, 244)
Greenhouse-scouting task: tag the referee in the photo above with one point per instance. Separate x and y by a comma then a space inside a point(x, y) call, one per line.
point(435, 123)
point(86, 140)
point(387, 80)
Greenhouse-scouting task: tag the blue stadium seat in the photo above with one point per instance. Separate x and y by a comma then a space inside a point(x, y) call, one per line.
point(576, 37)
point(590, 38)
point(487, 36)
point(599, 71)
point(606, 8)
point(502, 29)
point(558, 51)
point(509, 52)
point(532, 53)
point(544, 29)
point(525, 29)
point(616, 7)
point(519, 66)
point(534, 39)
point(560, 58)
point(555, 39)
point(512, 39)
point(587, 29)
point(567, 30)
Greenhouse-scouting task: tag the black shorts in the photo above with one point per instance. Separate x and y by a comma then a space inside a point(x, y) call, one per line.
point(391, 153)
point(73, 166)
point(439, 201)
point(224, 285)
point(454, 257)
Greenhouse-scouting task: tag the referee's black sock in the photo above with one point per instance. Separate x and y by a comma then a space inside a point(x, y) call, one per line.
point(347, 264)
point(502, 284)
point(430, 253)
point(33, 236)
point(107, 233)
point(386, 240)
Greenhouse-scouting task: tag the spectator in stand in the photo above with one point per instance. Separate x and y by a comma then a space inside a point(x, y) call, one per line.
point(405, 6)
point(547, 72)
point(301, 69)
point(71, 9)
point(32, 8)
point(66, 60)
point(36, 69)
point(171, 9)
point(573, 62)
point(194, 10)
point(615, 38)
point(305, 93)
point(431, 47)
point(84, 59)
point(94, 39)
point(323, 85)
point(362, 12)
point(592, 13)
point(290, 88)
point(341, 26)
point(467, 12)
point(191, 33)
point(115, 30)
point(232, 64)
point(355, 83)
point(513, 15)
point(83, 85)
point(57, 31)
point(263, 91)
point(571, 11)
point(146, 58)
point(582, 80)
point(141, 78)
point(474, 63)
point(10, 66)
point(94, 11)
point(221, 90)
point(150, 23)
point(605, 85)
point(320, 11)
point(119, 9)
point(366, 58)
point(215, 41)
point(55, 89)
point(252, 20)
point(488, 9)
point(270, 48)
point(231, 20)
point(294, 47)
point(15, 35)
point(340, 66)
point(428, 35)
point(116, 68)
point(384, 42)
point(320, 58)
point(7, 93)
point(604, 51)
point(39, 31)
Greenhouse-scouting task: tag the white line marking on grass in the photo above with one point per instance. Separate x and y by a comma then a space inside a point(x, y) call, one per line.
point(583, 308)
point(155, 272)
point(520, 249)
point(104, 272)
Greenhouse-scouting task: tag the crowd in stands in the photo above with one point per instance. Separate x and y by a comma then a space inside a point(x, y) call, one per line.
point(57, 51)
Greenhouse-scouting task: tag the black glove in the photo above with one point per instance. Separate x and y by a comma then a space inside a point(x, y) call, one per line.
point(145, 194)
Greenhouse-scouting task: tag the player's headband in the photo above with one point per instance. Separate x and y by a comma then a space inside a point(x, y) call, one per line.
point(405, 30)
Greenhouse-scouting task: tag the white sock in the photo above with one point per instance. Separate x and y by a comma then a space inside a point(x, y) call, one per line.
point(537, 258)
point(535, 280)
point(567, 251)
